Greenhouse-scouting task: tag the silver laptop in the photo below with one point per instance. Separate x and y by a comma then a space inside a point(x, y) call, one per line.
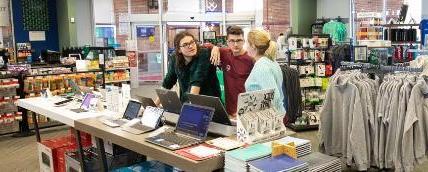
point(220, 114)
point(131, 112)
point(169, 100)
point(191, 128)
point(150, 121)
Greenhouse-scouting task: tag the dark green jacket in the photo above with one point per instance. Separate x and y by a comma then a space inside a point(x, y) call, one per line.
point(199, 72)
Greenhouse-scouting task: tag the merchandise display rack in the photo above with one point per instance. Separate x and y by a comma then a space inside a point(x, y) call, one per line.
point(25, 123)
point(9, 114)
point(309, 57)
point(108, 61)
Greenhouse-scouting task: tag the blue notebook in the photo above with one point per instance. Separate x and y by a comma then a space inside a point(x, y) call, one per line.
point(251, 153)
point(279, 163)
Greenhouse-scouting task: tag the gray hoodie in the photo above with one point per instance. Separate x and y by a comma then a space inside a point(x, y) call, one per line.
point(341, 118)
point(415, 127)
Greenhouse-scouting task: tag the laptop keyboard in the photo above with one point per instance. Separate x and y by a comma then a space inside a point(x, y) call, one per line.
point(118, 121)
point(141, 127)
point(178, 139)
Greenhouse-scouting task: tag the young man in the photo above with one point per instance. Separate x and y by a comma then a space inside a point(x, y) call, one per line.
point(236, 65)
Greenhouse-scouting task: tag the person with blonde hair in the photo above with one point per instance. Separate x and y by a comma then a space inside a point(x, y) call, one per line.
point(266, 73)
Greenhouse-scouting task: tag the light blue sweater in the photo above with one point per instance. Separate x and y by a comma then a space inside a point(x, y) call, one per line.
point(267, 74)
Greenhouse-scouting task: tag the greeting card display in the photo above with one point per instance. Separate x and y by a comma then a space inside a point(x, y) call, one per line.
point(258, 121)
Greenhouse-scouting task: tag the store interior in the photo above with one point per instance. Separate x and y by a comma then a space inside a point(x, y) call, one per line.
point(353, 76)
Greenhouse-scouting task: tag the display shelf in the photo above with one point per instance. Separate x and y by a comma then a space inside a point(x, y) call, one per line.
point(400, 25)
point(118, 81)
point(88, 71)
point(114, 69)
point(405, 42)
point(9, 128)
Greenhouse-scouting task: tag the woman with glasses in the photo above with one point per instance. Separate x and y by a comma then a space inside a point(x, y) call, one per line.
point(190, 65)
point(266, 73)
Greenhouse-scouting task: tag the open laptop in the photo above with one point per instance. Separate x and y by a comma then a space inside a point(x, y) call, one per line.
point(150, 121)
point(169, 100)
point(86, 103)
point(131, 112)
point(191, 128)
point(145, 101)
point(220, 114)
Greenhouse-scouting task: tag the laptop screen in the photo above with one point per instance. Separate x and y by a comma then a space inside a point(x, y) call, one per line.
point(194, 120)
point(132, 110)
point(86, 102)
point(151, 116)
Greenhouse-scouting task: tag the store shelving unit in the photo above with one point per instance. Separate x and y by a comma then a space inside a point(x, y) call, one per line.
point(9, 114)
point(24, 123)
point(310, 59)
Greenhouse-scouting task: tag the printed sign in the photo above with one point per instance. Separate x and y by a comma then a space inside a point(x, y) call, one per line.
point(144, 31)
point(255, 101)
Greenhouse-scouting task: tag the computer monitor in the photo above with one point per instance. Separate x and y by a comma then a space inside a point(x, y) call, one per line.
point(194, 120)
point(132, 110)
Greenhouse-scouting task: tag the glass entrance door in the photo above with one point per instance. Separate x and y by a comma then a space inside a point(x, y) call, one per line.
point(149, 56)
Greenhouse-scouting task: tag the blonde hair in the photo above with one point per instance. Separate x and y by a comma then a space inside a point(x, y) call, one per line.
point(260, 39)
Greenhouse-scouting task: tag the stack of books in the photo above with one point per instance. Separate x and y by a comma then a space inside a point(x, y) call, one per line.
point(321, 162)
point(237, 160)
point(303, 147)
point(278, 163)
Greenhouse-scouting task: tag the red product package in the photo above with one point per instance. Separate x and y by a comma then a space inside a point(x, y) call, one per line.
point(85, 137)
point(60, 156)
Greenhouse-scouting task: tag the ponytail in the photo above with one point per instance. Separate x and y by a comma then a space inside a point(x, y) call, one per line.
point(272, 51)
point(260, 39)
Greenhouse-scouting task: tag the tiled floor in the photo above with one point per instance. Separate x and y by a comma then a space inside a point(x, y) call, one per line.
point(20, 154)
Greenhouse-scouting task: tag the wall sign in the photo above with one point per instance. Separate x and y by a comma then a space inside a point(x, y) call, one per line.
point(4, 13)
point(213, 6)
point(144, 31)
point(37, 35)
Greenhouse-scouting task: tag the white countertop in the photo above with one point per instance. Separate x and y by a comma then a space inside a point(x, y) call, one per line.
point(61, 114)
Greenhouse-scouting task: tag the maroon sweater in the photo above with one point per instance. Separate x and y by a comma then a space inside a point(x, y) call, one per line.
point(236, 71)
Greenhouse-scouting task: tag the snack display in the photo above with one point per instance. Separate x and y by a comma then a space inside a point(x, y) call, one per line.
point(59, 84)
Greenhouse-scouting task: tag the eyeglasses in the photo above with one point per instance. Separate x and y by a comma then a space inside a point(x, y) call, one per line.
point(237, 41)
point(188, 44)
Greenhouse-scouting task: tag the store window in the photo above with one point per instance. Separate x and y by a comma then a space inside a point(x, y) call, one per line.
point(149, 56)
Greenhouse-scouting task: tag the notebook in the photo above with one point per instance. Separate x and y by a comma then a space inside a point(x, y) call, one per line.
point(251, 153)
point(278, 163)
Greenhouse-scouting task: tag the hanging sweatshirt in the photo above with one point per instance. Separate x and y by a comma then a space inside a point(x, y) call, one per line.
point(391, 124)
point(402, 108)
point(364, 90)
point(415, 127)
point(382, 115)
point(342, 111)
